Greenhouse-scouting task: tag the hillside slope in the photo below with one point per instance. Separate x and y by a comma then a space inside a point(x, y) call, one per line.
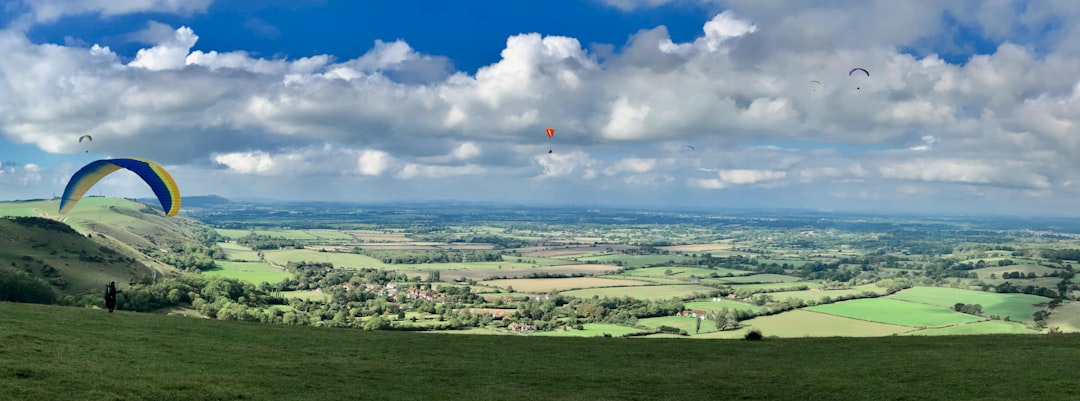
point(63, 353)
point(140, 235)
point(69, 261)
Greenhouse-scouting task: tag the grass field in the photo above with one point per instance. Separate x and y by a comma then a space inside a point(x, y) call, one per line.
point(894, 311)
point(1066, 317)
point(252, 272)
point(347, 260)
point(1017, 306)
point(56, 353)
point(680, 322)
point(985, 272)
point(760, 278)
point(236, 252)
point(817, 295)
point(803, 323)
point(639, 260)
point(777, 286)
point(483, 274)
point(716, 306)
point(681, 272)
point(590, 330)
point(654, 280)
point(308, 295)
point(558, 284)
point(303, 235)
point(984, 327)
point(654, 292)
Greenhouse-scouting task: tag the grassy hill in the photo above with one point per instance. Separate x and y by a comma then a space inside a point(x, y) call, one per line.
point(53, 353)
point(69, 261)
point(100, 240)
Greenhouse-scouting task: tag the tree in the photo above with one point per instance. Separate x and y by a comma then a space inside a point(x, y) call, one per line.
point(698, 323)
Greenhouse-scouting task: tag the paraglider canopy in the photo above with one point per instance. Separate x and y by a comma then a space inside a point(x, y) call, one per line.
point(550, 132)
point(155, 176)
point(86, 137)
point(864, 71)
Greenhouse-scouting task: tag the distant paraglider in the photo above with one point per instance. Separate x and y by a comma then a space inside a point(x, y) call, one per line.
point(87, 138)
point(155, 176)
point(864, 71)
point(550, 133)
point(815, 85)
point(688, 148)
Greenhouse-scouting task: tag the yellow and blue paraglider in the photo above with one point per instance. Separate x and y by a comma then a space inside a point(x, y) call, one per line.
point(155, 176)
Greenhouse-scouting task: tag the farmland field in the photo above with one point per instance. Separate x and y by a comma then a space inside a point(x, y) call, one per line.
point(306, 295)
point(893, 311)
point(345, 260)
point(760, 278)
point(716, 306)
point(984, 327)
point(777, 286)
point(654, 280)
point(683, 272)
point(803, 323)
point(1039, 270)
point(701, 248)
point(817, 295)
point(653, 292)
point(591, 330)
point(638, 260)
point(1066, 317)
point(1018, 307)
point(238, 252)
point(557, 284)
point(483, 274)
point(680, 322)
point(252, 272)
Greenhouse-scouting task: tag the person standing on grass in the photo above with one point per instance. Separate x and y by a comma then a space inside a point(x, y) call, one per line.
point(110, 296)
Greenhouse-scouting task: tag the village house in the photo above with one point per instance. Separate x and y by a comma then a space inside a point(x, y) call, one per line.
point(697, 313)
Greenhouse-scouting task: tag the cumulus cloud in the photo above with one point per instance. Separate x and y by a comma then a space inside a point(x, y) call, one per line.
point(1002, 121)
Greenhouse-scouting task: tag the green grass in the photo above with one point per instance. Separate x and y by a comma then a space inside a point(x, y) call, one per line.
point(252, 272)
point(53, 353)
point(817, 295)
point(680, 322)
point(984, 327)
point(639, 260)
point(777, 286)
point(655, 280)
point(236, 252)
point(1024, 269)
point(306, 294)
point(761, 278)
point(680, 272)
point(344, 260)
point(1015, 306)
point(803, 323)
point(893, 311)
point(1065, 317)
point(716, 306)
point(591, 330)
point(654, 292)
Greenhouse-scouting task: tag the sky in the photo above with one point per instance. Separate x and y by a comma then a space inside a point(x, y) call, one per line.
point(967, 107)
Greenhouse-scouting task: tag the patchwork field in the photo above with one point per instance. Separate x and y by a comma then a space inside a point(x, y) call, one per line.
point(681, 272)
point(892, 311)
point(777, 286)
point(484, 274)
point(653, 292)
point(1066, 317)
point(237, 252)
point(1018, 307)
point(803, 323)
point(654, 280)
point(639, 260)
point(344, 260)
point(697, 247)
point(568, 250)
point(558, 284)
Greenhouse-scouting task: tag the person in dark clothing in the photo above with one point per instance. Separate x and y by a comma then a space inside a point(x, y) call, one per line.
point(110, 296)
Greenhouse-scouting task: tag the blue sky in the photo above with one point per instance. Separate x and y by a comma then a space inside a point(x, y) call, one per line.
point(971, 107)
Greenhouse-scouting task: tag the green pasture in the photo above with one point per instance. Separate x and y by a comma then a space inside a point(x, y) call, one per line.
point(1039, 270)
point(57, 353)
point(1066, 317)
point(654, 280)
point(28, 209)
point(237, 252)
point(653, 292)
point(301, 235)
point(679, 271)
point(1018, 307)
point(559, 284)
point(338, 259)
point(680, 322)
point(781, 262)
point(803, 323)
point(760, 279)
point(777, 286)
point(983, 327)
point(818, 295)
point(252, 272)
point(306, 295)
point(892, 311)
point(716, 306)
point(994, 261)
point(590, 330)
point(639, 260)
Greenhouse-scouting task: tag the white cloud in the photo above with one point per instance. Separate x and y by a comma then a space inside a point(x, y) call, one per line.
point(51, 10)
point(373, 162)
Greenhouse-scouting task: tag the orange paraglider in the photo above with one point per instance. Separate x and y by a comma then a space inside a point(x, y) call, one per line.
point(551, 133)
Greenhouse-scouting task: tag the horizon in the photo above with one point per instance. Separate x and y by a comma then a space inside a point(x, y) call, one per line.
point(966, 108)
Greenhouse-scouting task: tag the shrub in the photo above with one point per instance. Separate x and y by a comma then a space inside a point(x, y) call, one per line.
point(753, 335)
